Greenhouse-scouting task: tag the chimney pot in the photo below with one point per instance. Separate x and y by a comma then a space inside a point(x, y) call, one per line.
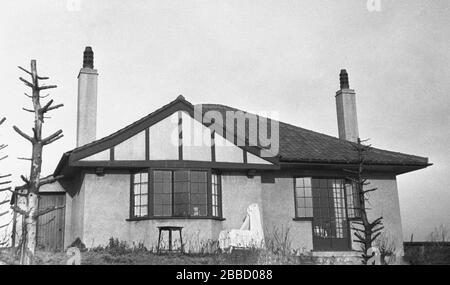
point(88, 58)
point(344, 79)
point(87, 100)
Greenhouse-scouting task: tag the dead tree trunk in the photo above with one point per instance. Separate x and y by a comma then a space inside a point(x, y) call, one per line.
point(4, 188)
point(30, 190)
point(365, 231)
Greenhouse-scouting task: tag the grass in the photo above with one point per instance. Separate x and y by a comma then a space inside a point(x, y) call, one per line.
point(120, 253)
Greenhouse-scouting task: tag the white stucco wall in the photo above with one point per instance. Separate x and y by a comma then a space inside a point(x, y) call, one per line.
point(75, 216)
point(238, 192)
point(278, 214)
point(385, 203)
point(106, 210)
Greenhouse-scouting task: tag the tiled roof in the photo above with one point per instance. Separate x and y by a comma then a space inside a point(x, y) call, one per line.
point(296, 145)
point(301, 145)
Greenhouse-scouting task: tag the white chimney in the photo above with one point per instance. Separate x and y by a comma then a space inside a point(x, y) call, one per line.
point(346, 110)
point(87, 100)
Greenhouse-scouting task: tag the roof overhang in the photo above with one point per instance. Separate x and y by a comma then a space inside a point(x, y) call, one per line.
point(394, 169)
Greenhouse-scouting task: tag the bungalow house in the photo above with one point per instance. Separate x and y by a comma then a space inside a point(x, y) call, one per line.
point(193, 166)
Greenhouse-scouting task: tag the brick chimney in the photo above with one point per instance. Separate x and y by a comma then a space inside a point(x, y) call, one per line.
point(87, 100)
point(346, 110)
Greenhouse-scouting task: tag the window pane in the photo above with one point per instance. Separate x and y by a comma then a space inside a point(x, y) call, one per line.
point(157, 187)
point(198, 210)
point(157, 210)
point(181, 176)
point(301, 212)
point(137, 200)
point(299, 182)
point(181, 198)
point(307, 182)
point(158, 176)
point(144, 188)
point(167, 210)
point(137, 189)
point(181, 210)
point(300, 192)
point(144, 199)
point(167, 199)
point(144, 177)
point(137, 178)
point(202, 188)
point(158, 199)
point(308, 202)
point(181, 187)
point(167, 186)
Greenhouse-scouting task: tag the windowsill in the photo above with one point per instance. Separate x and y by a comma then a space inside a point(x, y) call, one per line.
point(174, 218)
point(303, 219)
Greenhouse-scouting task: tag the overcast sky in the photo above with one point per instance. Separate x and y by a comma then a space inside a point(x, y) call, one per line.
point(256, 55)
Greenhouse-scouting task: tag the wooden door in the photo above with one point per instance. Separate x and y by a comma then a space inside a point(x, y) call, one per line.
point(50, 230)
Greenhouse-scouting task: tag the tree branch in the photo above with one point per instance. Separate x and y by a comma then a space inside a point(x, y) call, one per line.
point(20, 67)
point(55, 107)
point(44, 109)
point(49, 179)
point(5, 189)
point(51, 138)
point(24, 179)
point(24, 135)
point(370, 190)
point(48, 210)
point(47, 87)
point(48, 107)
point(20, 211)
point(5, 225)
point(26, 82)
point(28, 110)
point(24, 158)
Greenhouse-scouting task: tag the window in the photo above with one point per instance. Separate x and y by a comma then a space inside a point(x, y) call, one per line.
point(162, 193)
point(215, 194)
point(339, 208)
point(353, 202)
point(342, 194)
point(139, 199)
point(176, 193)
point(303, 198)
point(199, 195)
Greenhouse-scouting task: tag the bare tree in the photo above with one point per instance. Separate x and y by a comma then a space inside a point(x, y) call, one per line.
point(440, 234)
point(30, 190)
point(4, 188)
point(365, 231)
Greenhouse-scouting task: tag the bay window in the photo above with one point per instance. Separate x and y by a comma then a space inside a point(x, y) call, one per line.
point(175, 193)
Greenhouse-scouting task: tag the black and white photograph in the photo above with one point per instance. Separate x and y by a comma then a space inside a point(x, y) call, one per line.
point(246, 133)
